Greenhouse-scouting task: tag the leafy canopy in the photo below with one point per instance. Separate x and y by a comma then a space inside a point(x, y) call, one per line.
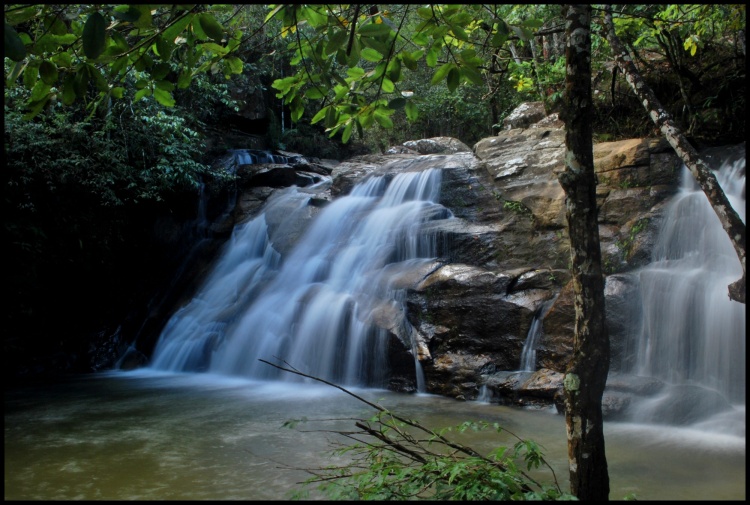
point(352, 58)
point(76, 52)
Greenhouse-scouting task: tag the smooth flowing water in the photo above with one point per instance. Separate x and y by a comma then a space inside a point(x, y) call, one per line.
point(314, 308)
point(693, 336)
point(160, 436)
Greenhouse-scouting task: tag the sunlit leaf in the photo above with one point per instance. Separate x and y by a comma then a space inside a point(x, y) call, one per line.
point(442, 73)
point(370, 54)
point(374, 29)
point(411, 110)
point(164, 97)
point(347, 132)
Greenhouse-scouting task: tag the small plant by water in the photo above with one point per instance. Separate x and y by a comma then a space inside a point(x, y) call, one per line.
point(395, 458)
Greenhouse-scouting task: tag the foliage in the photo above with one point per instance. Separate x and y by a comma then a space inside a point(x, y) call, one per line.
point(395, 458)
point(354, 60)
point(390, 461)
point(85, 52)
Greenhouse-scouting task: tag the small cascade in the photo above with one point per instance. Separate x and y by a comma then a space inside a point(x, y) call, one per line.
point(317, 306)
point(693, 336)
point(528, 354)
point(255, 156)
point(484, 395)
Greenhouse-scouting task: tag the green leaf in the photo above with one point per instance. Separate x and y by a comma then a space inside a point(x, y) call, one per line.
point(183, 80)
point(532, 23)
point(454, 77)
point(39, 91)
point(212, 27)
point(431, 58)
point(370, 54)
point(141, 94)
point(387, 85)
point(68, 90)
point(14, 73)
point(81, 81)
point(48, 72)
point(353, 58)
point(320, 115)
point(424, 12)
point(313, 17)
point(62, 59)
point(144, 20)
point(160, 70)
point(163, 97)
point(373, 30)
point(273, 12)
point(121, 44)
point(118, 92)
point(94, 36)
point(408, 60)
point(18, 16)
point(314, 94)
point(459, 32)
point(171, 33)
point(31, 74)
point(336, 41)
point(214, 48)
point(383, 120)
point(412, 113)
point(164, 48)
point(393, 71)
point(397, 103)
point(472, 75)
point(235, 64)
point(126, 13)
point(14, 46)
point(164, 85)
point(99, 80)
point(347, 132)
point(331, 117)
point(356, 72)
point(442, 73)
point(36, 107)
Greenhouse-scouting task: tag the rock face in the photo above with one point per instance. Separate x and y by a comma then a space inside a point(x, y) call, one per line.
point(503, 255)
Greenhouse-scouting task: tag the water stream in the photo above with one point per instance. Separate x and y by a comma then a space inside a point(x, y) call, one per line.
point(692, 336)
point(316, 308)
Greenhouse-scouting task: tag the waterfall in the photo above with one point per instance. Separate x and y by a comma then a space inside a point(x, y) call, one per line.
point(528, 354)
point(693, 336)
point(321, 307)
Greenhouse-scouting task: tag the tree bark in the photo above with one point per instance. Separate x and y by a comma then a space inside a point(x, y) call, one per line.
point(586, 374)
point(729, 218)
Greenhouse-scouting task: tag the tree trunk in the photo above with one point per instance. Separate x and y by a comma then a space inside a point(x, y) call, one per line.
point(586, 374)
point(729, 218)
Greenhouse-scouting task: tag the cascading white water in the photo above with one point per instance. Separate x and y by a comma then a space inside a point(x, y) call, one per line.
point(692, 334)
point(315, 308)
point(528, 354)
